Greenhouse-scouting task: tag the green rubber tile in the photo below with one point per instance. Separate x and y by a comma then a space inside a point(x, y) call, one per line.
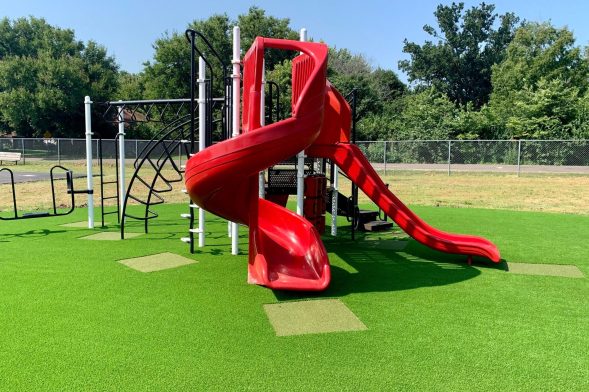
point(567, 271)
point(312, 317)
point(110, 236)
point(157, 262)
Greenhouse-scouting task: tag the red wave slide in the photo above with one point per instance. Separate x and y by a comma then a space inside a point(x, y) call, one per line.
point(285, 250)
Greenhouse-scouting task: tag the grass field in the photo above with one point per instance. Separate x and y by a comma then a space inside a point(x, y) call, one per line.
point(73, 318)
point(559, 193)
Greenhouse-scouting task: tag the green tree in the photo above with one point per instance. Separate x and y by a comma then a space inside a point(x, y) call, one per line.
point(168, 74)
point(468, 44)
point(45, 74)
point(424, 115)
point(256, 23)
point(537, 88)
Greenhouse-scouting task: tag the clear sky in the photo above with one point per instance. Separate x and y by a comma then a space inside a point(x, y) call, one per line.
point(375, 28)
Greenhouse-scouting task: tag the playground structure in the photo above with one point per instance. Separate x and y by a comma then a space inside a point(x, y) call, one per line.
point(285, 249)
point(226, 174)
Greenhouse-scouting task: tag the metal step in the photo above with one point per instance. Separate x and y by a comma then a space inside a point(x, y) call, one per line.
point(196, 231)
point(378, 225)
point(193, 206)
point(185, 216)
point(186, 239)
point(365, 216)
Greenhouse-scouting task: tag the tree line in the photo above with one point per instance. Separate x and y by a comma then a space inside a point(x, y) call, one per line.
point(480, 75)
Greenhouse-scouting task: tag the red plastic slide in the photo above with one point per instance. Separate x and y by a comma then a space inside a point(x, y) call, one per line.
point(352, 161)
point(285, 250)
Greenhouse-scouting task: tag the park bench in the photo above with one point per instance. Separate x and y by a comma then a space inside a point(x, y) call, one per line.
point(10, 156)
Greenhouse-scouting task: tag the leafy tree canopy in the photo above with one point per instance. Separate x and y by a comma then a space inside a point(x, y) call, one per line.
point(468, 43)
point(45, 74)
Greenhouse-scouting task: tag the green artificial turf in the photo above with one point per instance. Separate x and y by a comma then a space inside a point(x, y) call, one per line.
point(73, 318)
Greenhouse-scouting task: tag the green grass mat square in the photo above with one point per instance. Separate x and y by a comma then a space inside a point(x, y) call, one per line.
point(310, 317)
point(567, 271)
point(157, 262)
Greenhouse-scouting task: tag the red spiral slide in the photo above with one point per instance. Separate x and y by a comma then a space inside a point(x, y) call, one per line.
point(285, 250)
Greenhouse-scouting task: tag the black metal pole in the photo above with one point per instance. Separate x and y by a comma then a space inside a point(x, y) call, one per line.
point(192, 84)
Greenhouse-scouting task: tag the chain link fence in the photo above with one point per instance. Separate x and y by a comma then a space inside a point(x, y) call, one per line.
point(511, 156)
point(66, 149)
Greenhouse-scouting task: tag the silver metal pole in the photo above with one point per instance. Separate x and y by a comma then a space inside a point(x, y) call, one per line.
point(89, 179)
point(449, 154)
point(201, 138)
point(58, 153)
point(334, 197)
point(235, 107)
point(121, 167)
point(301, 159)
point(519, 154)
point(384, 154)
point(262, 174)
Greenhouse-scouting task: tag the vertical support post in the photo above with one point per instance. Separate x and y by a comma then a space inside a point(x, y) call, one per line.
point(449, 154)
point(201, 137)
point(235, 107)
point(334, 198)
point(519, 156)
point(89, 180)
point(301, 158)
point(58, 153)
point(262, 174)
point(192, 93)
point(121, 167)
point(384, 157)
point(24, 159)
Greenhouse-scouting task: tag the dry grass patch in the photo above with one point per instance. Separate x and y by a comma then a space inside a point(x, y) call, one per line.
point(567, 271)
point(307, 317)
point(158, 262)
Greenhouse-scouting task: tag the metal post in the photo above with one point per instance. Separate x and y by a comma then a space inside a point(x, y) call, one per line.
point(384, 154)
point(449, 154)
point(89, 183)
point(136, 148)
point(58, 153)
point(262, 176)
point(301, 159)
point(235, 107)
point(24, 160)
point(201, 137)
point(519, 154)
point(192, 77)
point(334, 198)
point(121, 168)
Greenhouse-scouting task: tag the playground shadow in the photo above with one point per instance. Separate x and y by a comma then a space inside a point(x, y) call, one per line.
point(35, 233)
point(366, 268)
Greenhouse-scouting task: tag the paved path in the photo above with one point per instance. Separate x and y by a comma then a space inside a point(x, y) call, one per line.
point(483, 168)
point(25, 176)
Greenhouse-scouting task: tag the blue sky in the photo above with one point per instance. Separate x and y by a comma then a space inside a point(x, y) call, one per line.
point(375, 28)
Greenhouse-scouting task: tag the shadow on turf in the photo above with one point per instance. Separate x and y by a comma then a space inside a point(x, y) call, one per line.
point(382, 270)
point(29, 234)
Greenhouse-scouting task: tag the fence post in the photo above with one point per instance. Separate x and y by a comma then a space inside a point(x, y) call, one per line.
point(58, 153)
point(449, 154)
point(136, 148)
point(519, 154)
point(384, 154)
point(24, 160)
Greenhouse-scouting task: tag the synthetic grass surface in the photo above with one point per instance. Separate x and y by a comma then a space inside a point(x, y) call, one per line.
point(73, 318)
